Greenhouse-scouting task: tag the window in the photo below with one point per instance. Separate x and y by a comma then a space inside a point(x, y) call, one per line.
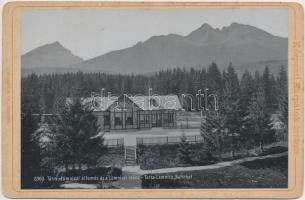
point(118, 121)
point(106, 120)
point(165, 117)
point(144, 118)
point(129, 118)
point(141, 117)
point(170, 117)
point(154, 102)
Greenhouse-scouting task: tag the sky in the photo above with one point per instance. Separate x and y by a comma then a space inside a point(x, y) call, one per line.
point(90, 33)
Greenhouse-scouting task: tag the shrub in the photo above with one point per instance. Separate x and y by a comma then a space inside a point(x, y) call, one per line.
point(166, 156)
point(201, 155)
point(113, 157)
point(184, 152)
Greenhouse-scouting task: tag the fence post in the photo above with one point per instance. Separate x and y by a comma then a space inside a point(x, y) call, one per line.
point(135, 153)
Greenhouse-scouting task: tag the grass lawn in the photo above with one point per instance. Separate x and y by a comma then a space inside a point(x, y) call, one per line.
point(267, 173)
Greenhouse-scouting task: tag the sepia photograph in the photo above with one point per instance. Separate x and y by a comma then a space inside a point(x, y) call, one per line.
point(154, 98)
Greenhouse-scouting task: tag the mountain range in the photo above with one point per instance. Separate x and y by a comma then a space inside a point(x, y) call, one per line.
point(246, 47)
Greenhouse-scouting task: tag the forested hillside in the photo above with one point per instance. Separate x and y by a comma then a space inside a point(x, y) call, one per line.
point(46, 91)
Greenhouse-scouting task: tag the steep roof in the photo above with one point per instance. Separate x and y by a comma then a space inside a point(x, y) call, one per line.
point(157, 102)
point(101, 103)
point(97, 103)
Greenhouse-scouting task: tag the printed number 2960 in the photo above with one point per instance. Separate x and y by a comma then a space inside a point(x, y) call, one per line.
point(38, 178)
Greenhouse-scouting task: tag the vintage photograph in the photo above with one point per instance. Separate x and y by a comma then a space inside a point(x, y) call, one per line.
point(123, 98)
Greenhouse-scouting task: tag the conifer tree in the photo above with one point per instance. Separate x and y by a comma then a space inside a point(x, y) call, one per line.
point(212, 130)
point(214, 78)
point(247, 91)
point(282, 89)
point(45, 138)
point(231, 107)
point(269, 89)
point(79, 139)
point(184, 151)
point(259, 117)
point(30, 155)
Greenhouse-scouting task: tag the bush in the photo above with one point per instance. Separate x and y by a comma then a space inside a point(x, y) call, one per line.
point(184, 152)
point(113, 157)
point(157, 156)
point(167, 156)
point(201, 156)
point(274, 150)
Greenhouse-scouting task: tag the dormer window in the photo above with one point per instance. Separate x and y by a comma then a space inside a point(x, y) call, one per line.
point(154, 102)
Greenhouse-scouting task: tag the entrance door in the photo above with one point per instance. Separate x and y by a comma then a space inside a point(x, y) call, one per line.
point(107, 121)
point(156, 119)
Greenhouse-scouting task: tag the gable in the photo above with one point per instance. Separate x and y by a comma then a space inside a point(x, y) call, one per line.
point(154, 102)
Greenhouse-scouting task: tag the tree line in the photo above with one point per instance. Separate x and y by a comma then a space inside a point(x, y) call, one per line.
point(45, 92)
point(250, 101)
point(253, 111)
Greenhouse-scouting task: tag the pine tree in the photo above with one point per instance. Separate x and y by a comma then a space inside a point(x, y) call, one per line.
point(259, 117)
point(274, 94)
point(247, 91)
point(31, 94)
point(282, 82)
point(283, 108)
point(214, 79)
point(269, 89)
point(231, 107)
point(30, 155)
point(45, 138)
point(282, 89)
point(184, 151)
point(257, 81)
point(79, 140)
point(212, 130)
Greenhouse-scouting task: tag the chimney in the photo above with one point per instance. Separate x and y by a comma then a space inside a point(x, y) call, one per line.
point(109, 95)
point(150, 92)
point(103, 92)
